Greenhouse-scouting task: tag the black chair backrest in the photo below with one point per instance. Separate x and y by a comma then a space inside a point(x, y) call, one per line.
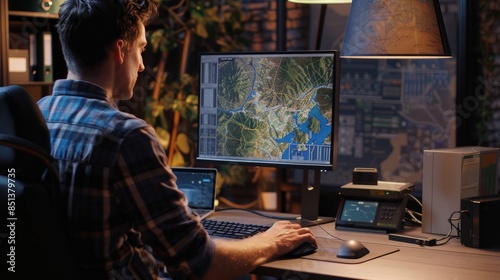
point(21, 118)
point(33, 240)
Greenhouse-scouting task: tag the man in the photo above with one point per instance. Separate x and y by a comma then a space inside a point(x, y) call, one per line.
point(119, 194)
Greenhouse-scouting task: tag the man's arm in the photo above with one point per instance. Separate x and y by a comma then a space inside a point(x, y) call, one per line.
point(147, 193)
point(180, 239)
point(237, 258)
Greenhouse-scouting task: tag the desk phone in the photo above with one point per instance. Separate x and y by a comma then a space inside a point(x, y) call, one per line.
point(375, 207)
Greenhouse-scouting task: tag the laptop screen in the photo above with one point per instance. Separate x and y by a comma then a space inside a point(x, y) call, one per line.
point(198, 184)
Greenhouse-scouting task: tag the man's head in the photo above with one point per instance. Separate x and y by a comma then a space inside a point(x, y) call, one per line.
point(89, 28)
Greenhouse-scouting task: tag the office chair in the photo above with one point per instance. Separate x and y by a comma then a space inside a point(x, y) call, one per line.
point(33, 239)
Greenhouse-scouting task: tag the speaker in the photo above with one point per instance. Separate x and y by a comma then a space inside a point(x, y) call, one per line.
point(480, 221)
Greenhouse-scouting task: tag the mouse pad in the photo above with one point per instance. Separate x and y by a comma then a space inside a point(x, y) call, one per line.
point(328, 247)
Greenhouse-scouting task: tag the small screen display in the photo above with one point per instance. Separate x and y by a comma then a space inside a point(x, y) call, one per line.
point(359, 211)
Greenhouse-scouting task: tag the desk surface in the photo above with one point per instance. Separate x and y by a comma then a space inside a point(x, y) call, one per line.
point(449, 261)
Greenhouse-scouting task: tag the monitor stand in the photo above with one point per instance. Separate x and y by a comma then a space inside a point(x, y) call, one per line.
point(310, 201)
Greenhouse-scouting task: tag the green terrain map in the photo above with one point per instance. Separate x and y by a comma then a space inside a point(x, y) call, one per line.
point(264, 104)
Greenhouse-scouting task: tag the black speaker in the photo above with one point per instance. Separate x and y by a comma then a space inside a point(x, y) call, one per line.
point(480, 221)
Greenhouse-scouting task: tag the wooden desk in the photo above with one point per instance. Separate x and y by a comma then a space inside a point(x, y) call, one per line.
point(450, 261)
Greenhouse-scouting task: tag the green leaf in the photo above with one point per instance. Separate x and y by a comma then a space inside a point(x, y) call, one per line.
point(163, 137)
point(182, 143)
point(178, 159)
point(201, 29)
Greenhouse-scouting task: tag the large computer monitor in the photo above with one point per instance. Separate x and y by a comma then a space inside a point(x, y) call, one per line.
point(275, 109)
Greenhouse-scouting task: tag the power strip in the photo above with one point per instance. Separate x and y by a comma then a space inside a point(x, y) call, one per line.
point(427, 241)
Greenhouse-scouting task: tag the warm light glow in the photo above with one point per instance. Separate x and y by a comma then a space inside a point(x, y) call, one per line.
point(320, 1)
point(396, 29)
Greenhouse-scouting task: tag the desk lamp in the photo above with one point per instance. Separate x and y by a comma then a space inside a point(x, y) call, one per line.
point(322, 14)
point(398, 29)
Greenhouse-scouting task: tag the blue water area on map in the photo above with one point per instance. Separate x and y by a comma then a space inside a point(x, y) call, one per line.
point(315, 139)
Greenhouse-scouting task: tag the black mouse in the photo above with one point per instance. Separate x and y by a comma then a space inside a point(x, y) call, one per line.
point(352, 249)
point(303, 249)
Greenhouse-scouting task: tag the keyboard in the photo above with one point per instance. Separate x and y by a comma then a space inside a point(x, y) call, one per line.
point(233, 230)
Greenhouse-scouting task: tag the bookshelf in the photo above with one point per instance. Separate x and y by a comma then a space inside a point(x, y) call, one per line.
point(30, 52)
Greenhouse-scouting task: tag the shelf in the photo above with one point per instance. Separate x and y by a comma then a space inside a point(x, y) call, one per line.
point(33, 14)
point(16, 27)
point(32, 83)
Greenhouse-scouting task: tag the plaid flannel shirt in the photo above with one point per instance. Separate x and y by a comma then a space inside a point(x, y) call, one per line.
point(118, 192)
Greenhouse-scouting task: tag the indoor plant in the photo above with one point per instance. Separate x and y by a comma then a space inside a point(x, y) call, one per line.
point(182, 30)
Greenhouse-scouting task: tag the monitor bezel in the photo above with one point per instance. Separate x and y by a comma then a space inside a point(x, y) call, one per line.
point(283, 164)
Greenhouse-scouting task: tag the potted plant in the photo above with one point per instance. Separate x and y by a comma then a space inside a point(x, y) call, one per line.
point(182, 30)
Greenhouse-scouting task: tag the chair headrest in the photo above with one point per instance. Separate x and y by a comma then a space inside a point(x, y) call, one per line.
point(21, 117)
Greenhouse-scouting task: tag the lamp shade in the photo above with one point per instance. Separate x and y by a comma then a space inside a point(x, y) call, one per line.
point(320, 1)
point(395, 29)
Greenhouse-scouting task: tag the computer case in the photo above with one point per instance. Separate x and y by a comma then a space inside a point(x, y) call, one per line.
point(450, 175)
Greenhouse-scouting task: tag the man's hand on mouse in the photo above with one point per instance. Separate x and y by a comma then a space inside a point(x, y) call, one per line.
point(287, 236)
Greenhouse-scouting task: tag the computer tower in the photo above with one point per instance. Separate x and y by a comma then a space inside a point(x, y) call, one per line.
point(480, 221)
point(450, 175)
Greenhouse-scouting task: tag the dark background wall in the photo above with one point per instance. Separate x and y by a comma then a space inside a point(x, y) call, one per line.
point(472, 84)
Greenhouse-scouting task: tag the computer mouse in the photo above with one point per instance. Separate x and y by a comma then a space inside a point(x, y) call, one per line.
point(303, 249)
point(352, 249)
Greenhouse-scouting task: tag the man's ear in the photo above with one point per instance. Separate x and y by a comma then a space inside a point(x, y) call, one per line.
point(119, 51)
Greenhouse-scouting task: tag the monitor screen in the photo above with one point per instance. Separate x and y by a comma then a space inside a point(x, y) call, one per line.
point(269, 109)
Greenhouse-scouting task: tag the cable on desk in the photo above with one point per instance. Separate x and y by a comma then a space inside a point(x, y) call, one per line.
point(413, 219)
point(331, 235)
point(237, 205)
point(448, 236)
point(412, 213)
point(259, 213)
point(415, 199)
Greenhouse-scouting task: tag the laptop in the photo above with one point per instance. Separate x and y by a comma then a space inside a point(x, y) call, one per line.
point(198, 184)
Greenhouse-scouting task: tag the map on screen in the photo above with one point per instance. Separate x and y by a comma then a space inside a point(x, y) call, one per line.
point(267, 108)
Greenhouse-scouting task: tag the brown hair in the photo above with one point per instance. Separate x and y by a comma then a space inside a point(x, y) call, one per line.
point(87, 27)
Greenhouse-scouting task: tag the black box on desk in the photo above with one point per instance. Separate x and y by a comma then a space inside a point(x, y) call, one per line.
point(481, 223)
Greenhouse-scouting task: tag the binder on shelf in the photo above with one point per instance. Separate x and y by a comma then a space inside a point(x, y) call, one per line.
point(33, 49)
point(48, 75)
point(40, 57)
